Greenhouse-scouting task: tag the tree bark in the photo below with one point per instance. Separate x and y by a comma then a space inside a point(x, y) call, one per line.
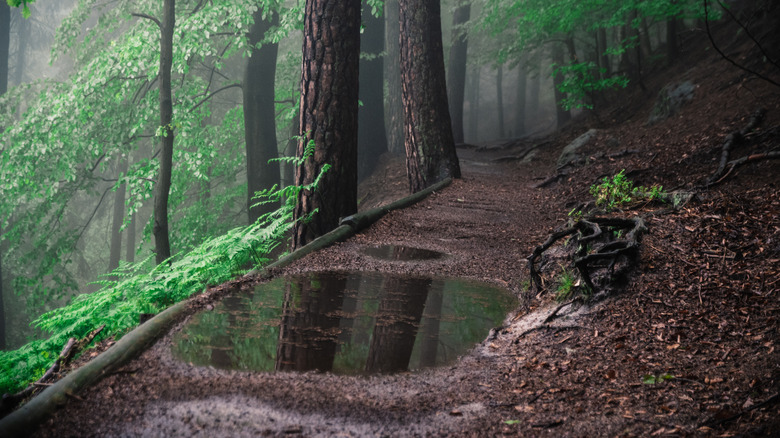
point(394, 110)
point(563, 115)
point(259, 117)
point(430, 147)
point(118, 216)
point(329, 108)
point(456, 73)
point(161, 243)
point(372, 139)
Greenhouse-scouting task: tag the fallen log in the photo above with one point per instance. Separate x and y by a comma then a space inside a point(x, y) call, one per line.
point(23, 421)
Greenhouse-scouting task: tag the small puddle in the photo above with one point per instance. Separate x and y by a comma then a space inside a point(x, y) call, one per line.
point(401, 253)
point(347, 323)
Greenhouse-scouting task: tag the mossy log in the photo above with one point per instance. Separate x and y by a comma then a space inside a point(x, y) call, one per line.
point(23, 421)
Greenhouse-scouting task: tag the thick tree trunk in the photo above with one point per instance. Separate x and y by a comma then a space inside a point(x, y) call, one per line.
point(500, 100)
point(563, 115)
point(118, 217)
point(329, 108)
point(430, 148)
point(259, 117)
point(372, 139)
point(162, 245)
point(520, 98)
point(394, 110)
point(456, 73)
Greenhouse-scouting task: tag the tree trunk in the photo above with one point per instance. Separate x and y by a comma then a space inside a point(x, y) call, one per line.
point(644, 39)
point(672, 48)
point(23, 35)
point(130, 244)
point(500, 100)
point(563, 115)
point(329, 108)
point(162, 245)
point(456, 73)
point(372, 139)
point(603, 56)
point(520, 98)
point(259, 117)
point(394, 110)
point(430, 148)
point(5, 38)
point(474, 105)
point(116, 221)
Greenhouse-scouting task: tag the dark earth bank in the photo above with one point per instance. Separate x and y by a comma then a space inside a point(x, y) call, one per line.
point(689, 347)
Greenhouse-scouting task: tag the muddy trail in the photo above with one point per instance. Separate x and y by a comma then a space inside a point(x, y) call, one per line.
point(688, 346)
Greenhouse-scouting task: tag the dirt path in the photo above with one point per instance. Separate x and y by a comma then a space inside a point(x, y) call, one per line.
point(690, 348)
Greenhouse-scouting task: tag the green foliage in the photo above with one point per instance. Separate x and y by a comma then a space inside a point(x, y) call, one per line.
point(567, 285)
point(145, 288)
point(649, 379)
point(618, 191)
point(580, 81)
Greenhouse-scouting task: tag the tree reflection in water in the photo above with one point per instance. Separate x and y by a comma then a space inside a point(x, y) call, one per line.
point(347, 323)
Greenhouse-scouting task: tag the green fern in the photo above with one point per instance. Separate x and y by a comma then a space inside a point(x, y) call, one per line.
point(142, 287)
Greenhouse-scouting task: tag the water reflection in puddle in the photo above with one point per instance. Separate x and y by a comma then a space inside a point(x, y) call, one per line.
point(347, 323)
point(401, 253)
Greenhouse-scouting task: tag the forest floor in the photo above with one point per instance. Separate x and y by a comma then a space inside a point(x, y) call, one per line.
point(702, 305)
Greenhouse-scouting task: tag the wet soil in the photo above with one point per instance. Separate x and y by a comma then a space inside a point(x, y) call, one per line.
point(690, 347)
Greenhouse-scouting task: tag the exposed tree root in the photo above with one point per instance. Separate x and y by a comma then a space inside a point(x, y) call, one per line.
point(595, 249)
point(735, 137)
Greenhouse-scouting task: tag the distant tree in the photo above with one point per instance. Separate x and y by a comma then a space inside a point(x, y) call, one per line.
point(328, 114)
point(394, 110)
point(372, 139)
point(430, 147)
point(259, 117)
point(456, 73)
point(5, 38)
point(162, 244)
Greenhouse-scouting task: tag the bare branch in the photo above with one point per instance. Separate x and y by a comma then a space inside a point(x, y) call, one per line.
point(212, 95)
point(723, 55)
point(148, 17)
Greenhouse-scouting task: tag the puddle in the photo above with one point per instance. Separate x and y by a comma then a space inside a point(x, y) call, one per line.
point(401, 253)
point(347, 323)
